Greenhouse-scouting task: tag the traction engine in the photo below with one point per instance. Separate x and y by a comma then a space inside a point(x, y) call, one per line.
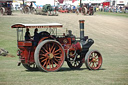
point(52, 50)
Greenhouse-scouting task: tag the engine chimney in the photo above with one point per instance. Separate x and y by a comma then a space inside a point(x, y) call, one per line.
point(81, 29)
point(85, 43)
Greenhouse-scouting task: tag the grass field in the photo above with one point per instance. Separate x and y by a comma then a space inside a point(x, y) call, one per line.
point(112, 44)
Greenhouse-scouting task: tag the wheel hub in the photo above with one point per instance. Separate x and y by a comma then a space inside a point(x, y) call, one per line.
point(50, 55)
point(94, 60)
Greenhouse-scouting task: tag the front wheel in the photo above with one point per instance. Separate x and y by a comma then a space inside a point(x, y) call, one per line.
point(75, 64)
point(93, 60)
point(49, 55)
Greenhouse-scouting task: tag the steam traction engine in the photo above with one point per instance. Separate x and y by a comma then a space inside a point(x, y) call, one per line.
point(6, 7)
point(47, 9)
point(52, 49)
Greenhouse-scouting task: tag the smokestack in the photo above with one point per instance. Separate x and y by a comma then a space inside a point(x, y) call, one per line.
point(81, 29)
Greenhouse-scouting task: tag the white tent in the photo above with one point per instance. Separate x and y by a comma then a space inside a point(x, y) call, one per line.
point(31, 0)
point(42, 2)
point(6, 0)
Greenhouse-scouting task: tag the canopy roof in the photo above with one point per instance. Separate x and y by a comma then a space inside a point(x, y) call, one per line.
point(48, 25)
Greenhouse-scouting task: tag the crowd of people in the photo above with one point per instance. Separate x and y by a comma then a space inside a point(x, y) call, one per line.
point(116, 9)
point(73, 8)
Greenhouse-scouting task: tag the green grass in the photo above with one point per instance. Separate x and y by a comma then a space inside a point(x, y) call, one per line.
point(112, 14)
point(114, 70)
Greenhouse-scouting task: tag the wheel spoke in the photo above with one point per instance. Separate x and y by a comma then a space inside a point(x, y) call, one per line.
point(57, 53)
point(43, 55)
point(42, 51)
point(57, 50)
point(95, 55)
point(92, 55)
point(52, 63)
point(46, 47)
point(56, 60)
point(44, 63)
point(96, 64)
point(44, 60)
point(53, 50)
point(45, 50)
point(55, 63)
point(52, 46)
point(49, 48)
point(47, 63)
point(90, 60)
point(97, 58)
point(58, 57)
point(92, 65)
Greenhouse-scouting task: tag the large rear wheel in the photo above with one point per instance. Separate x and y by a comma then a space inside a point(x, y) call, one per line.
point(49, 55)
point(93, 60)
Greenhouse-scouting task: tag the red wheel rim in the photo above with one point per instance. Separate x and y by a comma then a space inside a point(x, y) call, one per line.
point(51, 56)
point(95, 60)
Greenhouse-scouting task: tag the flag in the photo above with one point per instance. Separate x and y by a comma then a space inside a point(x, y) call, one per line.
point(73, 1)
point(60, 1)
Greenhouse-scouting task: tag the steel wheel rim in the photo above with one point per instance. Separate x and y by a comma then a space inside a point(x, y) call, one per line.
point(51, 56)
point(94, 60)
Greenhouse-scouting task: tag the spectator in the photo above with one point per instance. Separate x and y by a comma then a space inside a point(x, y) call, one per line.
point(116, 9)
point(74, 9)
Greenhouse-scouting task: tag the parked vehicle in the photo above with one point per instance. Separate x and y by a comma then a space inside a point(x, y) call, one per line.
point(87, 10)
point(48, 10)
point(6, 7)
point(26, 9)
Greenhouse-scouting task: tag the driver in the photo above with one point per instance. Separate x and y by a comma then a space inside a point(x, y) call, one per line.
point(27, 35)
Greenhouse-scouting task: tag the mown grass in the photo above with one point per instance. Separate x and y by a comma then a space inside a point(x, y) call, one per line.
point(112, 14)
point(114, 70)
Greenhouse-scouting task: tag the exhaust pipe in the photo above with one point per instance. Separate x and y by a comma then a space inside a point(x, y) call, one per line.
point(81, 29)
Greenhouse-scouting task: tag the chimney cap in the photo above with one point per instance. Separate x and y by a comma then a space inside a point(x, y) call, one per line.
point(81, 21)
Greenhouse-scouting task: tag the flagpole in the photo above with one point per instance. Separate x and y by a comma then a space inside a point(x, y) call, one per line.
point(80, 4)
point(54, 2)
point(23, 2)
